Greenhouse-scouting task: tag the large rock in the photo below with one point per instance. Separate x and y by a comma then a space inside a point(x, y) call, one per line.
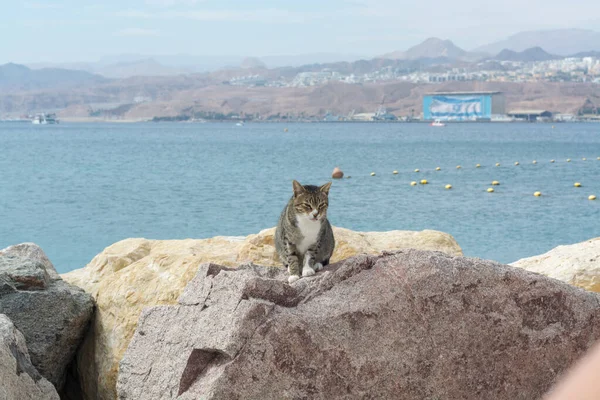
point(19, 380)
point(577, 264)
point(52, 314)
point(136, 273)
point(405, 325)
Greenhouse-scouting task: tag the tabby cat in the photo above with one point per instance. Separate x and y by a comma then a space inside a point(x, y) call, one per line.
point(304, 238)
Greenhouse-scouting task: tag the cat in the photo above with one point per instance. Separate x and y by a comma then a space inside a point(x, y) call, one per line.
point(304, 238)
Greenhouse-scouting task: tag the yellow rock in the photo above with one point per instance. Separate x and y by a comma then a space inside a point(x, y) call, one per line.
point(495, 183)
point(424, 182)
point(137, 273)
point(592, 197)
point(372, 173)
point(413, 183)
point(395, 172)
point(517, 163)
point(576, 264)
point(448, 186)
point(490, 190)
point(478, 166)
point(497, 164)
point(417, 170)
point(577, 184)
point(439, 169)
point(458, 167)
point(537, 194)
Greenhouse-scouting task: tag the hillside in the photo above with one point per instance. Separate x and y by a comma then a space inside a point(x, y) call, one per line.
point(528, 55)
point(561, 41)
point(433, 48)
point(19, 77)
point(192, 95)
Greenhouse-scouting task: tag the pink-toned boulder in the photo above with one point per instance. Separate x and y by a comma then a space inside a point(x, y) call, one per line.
point(337, 173)
point(405, 325)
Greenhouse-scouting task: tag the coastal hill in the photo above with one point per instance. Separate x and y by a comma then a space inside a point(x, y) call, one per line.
point(19, 77)
point(528, 55)
point(560, 41)
point(433, 48)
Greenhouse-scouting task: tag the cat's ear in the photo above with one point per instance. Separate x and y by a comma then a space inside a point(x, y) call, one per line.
point(298, 188)
point(325, 188)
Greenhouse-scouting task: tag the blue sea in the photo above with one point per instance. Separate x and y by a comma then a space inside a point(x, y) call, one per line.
point(74, 189)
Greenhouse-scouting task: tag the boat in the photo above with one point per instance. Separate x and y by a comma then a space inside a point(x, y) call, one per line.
point(241, 123)
point(45, 119)
point(437, 122)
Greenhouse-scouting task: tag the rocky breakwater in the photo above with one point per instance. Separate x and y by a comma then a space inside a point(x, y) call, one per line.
point(51, 314)
point(136, 273)
point(577, 264)
point(404, 325)
point(18, 377)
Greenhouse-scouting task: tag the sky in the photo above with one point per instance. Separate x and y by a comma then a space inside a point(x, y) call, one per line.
point(84, 31)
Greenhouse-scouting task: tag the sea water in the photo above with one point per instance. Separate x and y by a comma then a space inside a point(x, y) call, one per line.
point(74, 189)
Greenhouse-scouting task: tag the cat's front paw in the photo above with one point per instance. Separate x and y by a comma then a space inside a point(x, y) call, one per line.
point(293, 278)
point(318, 266)
point(307, 271)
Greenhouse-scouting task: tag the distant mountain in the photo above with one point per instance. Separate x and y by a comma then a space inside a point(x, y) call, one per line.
point(586, 54)
point(145, 67)
point(561, 41)
point(432, 49)
point(20, 77)
point(252, 62)
point(528, 55)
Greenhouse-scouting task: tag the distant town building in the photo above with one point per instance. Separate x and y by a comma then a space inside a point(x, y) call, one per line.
point(463, 106)
point(531, 115)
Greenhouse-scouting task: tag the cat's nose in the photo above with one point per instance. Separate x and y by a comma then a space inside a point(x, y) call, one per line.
point(315, 213)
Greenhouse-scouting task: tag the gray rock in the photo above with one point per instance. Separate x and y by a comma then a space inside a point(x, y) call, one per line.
point(52, 314)
point(19, 380)
point(404, 325)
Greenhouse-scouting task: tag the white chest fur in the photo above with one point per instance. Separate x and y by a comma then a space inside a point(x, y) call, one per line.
point(310, 231)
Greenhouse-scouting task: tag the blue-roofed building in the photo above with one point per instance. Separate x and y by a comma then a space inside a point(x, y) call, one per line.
point(463, 106)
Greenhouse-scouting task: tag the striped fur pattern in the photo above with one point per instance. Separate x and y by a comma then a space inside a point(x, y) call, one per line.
point(304, 238)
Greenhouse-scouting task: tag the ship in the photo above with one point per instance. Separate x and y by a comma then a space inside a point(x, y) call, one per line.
point(44, 119)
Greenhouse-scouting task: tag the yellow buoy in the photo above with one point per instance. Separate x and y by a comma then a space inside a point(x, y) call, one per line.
point(497, 164)
point(458, 167)
point(517, 163)
point(285, 129)
point(439, 169)
point(417, 170)
point(537, 194)
point(584, 159)
point(490, 190)
point(495, 183)
point(577, 184)
point(448, 186)
point(478, 166)
point(413, 183)
point(372, 173)
point(395, 172)
point(424, 182)
point(568, 160)
point(551, 161)
point(598, 158)
point(592, 197)
point(534, 162)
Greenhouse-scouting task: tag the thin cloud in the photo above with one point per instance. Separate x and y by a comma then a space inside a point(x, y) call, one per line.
point(172, 3)
point(42, 6)
point(264, 16)
point(137, 32)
